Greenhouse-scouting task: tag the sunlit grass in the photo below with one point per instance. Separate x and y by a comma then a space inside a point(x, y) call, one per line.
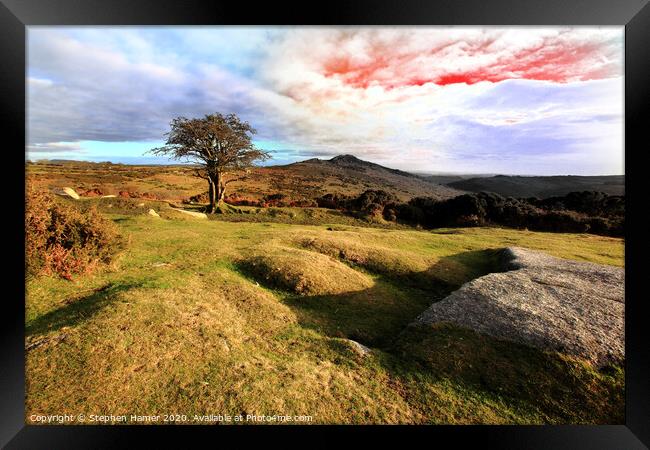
point(180, 325)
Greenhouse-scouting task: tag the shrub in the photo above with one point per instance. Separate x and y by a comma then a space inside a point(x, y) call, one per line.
point(560, 221)
point(390, 213)
point(304, 203)
point(594, 204)
point(236, 199)
point(600, 225)
point(577, 212)
point(93, 193)
point(199, 198)
point(61, 239)
point(371, 201)
point(408, 212)
point(333, 201)
point(271, 200)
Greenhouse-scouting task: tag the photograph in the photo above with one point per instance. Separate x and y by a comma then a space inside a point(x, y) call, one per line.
point(325, 225)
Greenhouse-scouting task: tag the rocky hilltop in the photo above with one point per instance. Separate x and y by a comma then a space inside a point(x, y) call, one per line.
point(349, 175)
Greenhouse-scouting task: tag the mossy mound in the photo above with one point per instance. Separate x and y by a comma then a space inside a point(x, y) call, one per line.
point(374, 258)
point(305, 273)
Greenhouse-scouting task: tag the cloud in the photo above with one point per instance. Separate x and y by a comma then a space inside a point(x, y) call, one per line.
point(95, 92)
point(399, 57)
point(413, 98)
point(54, 147)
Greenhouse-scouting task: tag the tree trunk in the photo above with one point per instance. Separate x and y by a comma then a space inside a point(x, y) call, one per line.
point(219, 188)
point(216, 191)
point(222, 192)
point(212, 197)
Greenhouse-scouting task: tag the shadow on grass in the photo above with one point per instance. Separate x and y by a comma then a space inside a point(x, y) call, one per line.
point(471, 377)
point(77, 309)
point(541, 385)
point(375, 316)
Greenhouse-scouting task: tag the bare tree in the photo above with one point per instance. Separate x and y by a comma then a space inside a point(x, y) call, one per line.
point(220, 144)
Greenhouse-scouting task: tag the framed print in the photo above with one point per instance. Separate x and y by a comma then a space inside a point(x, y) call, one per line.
point(413, 219)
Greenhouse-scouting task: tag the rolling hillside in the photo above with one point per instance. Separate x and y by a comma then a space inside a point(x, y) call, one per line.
point(542, 187)
point(346, 174)
point(308, 179)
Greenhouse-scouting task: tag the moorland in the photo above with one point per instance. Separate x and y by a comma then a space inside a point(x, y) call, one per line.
point(300, 299)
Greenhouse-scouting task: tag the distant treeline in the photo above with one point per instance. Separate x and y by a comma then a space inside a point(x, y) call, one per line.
point(576, 212)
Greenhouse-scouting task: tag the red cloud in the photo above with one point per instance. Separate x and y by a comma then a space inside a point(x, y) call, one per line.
point(558, 59)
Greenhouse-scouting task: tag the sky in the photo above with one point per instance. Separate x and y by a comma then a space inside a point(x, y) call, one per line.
point(516, 100)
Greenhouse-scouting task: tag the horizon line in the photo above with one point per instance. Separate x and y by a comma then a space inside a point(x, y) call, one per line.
point(417, 173)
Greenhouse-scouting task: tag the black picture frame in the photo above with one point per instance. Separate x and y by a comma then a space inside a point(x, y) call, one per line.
point(16, 15)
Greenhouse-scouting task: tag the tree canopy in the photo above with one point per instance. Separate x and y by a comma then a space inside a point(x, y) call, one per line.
point(219, 144)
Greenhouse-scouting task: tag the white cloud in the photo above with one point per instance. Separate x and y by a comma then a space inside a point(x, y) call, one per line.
point(378, 93)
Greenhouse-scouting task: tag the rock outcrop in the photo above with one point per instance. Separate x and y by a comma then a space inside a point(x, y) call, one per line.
point(67, 192)
point(577, 308)
point(359, 348)
point(198, 215)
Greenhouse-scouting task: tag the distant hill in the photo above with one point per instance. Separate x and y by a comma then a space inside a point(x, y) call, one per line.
point(347, 174)
point(447, 178)
point(308, 179)
point(442, 179)
point(542, 187)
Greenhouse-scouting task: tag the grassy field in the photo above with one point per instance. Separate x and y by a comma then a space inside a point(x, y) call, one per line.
point(253, 316)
